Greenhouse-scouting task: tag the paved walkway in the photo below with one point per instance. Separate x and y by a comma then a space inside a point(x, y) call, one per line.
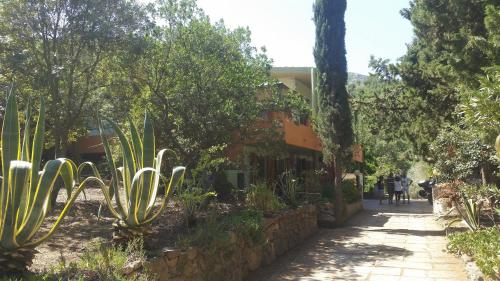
point(382, 243)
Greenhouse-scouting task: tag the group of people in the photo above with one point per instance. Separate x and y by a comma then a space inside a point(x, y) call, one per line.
point(396, 186)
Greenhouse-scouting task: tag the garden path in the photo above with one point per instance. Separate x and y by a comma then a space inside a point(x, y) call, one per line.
point(384, 242)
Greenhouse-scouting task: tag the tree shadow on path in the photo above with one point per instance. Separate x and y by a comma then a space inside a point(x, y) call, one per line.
point(340, 254)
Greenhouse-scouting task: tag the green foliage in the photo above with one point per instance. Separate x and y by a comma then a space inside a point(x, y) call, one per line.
point(350, 192)
point(213, 234)
point(486, 197)
point(289, 186)
point(62, 51)
point(261, 198)
point(192, 199)
point(451, 47)
point(332, 114)
point(481, 107)
point(460, 154)
point(482, 245)
point(209, 171)
point(105, 262)
point(451, 66)
point(101, 261)
point(293, 103)
point(201, 80)
point(209, 235)
point(470, 212)
point(26, 190)
point(312, 180)
point(327, 192)
point(249, 224)
point(140, 176)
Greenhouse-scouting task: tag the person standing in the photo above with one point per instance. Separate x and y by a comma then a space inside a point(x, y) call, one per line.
point(379, 189)
point(406, 182)
point(390, 187)
point(397, 188)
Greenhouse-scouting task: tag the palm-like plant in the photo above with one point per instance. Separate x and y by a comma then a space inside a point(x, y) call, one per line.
point(137, 180)
point(26, 190)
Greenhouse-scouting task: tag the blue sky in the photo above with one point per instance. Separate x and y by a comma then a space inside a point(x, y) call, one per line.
point(286, 29)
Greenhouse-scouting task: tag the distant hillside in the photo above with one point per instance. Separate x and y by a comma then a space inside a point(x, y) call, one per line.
point(356, 77)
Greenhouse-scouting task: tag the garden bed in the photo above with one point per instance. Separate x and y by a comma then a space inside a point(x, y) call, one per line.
point(82, 225)
point(171, 251)
point(240, 255)
point(479, 249)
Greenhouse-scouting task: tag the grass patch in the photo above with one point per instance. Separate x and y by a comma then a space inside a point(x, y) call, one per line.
point(260, 197)
point(101, 262)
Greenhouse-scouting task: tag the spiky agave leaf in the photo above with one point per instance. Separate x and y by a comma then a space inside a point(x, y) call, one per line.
point(140, 174)
point(25, 190)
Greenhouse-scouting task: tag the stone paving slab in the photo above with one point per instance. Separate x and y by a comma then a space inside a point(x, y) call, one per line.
point(384, 242)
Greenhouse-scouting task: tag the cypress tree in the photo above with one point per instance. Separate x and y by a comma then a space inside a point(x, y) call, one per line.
point(333, 115)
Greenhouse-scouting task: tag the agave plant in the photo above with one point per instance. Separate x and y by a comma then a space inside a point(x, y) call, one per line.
point(289, 187)
point(135, 185)
point(26, 189)
point(470, 212)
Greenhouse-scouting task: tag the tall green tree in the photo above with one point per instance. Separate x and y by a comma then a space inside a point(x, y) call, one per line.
point(203, 82)
point(450, 52)
point(333, 114)
point(56, 49)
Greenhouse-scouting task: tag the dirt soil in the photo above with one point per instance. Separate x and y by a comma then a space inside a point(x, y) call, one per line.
point(81, 226)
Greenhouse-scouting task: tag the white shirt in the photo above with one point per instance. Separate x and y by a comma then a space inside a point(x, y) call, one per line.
point(397, 186)
point(405, 182)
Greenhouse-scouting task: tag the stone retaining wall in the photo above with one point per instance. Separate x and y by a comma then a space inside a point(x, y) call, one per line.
point(326, 213)
point(283, 232)
point(352, 209)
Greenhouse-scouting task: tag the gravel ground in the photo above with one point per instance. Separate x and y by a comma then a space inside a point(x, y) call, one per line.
point(81, 225)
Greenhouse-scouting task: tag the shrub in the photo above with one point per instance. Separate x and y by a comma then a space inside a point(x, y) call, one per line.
point(192, 200)
point(103, 261)
point(460, 153)
point(482, 245)
point(350, 192)
point(248, 224)
point(313, 181)
point(213, 234)
point(476, 201)
point(259, 197)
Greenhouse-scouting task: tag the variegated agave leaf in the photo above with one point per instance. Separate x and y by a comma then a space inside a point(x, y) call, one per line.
point(26, 189)
point(139, 175)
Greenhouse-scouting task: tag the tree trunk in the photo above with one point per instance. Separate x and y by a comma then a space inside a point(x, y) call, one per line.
point(339, 198)
point(60, 144)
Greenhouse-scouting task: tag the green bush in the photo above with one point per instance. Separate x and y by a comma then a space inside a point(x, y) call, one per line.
point(261, 198)
point(249, 224)
point(213, 234)
point(482, 245)
point(328, 191)
point(350, 192)
point(209, 235)
point(460, 153)
point(192, 200)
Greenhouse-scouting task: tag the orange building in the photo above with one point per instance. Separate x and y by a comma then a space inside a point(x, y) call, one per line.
point(300, 147)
